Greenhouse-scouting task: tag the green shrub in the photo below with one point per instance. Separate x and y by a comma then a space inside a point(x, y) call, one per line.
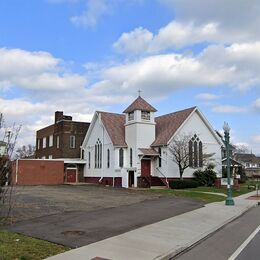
point(183, 184)
point(242, 173)
point(206, 177)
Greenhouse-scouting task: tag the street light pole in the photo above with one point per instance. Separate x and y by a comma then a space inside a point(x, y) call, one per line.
point(229, 199)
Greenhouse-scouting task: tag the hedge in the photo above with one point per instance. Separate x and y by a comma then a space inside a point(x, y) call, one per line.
point(183, 184)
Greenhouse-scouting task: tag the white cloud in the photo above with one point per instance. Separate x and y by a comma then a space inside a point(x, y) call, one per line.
point(257, 104)
point(35, 71)
point(236, 66)
point(174, 35)
point(133, 42)
point(229, 109)
point(95, 9)
point(207, 96)
point(197, 22)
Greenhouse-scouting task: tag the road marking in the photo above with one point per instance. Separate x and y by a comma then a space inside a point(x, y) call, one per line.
point(242, 247)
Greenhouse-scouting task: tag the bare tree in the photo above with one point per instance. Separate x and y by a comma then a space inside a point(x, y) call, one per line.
point(180, 151)
point(8, 139)
point(26, 151)
point(241, 148)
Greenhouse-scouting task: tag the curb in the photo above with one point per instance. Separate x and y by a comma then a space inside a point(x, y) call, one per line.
point(179, 251)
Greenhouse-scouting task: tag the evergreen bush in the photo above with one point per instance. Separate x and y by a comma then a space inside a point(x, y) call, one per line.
point(183, 184)
point(206, 177)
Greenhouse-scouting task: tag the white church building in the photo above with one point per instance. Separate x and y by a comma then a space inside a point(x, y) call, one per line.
point(132, 149)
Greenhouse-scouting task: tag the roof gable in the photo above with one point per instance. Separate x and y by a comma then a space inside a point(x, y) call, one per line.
point(140, 104)
point(167, 125)
point(115, 126)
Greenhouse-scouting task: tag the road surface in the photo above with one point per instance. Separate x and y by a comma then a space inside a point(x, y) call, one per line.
point(238, 240)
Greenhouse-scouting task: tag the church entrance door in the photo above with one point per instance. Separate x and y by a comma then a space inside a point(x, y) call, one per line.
point(145, 168)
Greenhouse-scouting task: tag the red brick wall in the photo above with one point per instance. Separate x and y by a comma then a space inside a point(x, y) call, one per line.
point(105, 181)
point(37, 172)
point(64, 129)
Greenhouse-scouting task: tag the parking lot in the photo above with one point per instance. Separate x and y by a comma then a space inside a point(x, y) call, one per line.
point(80, 215)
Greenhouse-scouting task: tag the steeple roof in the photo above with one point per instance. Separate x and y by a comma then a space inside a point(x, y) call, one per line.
point(140, 104)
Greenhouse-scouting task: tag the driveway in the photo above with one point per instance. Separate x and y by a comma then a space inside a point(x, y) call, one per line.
point(79, 215)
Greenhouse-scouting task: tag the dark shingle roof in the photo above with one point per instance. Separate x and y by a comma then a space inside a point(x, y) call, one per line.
point(246, 157)
point(140, 104)
point(115, 126)
point(167, 125)
point(149, 151)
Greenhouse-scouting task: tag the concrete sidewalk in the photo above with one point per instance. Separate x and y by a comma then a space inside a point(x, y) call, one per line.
point(166, 238)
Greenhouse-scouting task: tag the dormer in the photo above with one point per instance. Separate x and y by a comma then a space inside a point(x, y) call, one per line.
point(140, 111)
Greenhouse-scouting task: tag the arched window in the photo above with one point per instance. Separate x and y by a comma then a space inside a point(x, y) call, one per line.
point(131, 157)
point(195, 152)
point(89, 160)
point(98, 154)
point(160, 157)
point(121, 157)
point(108, 158)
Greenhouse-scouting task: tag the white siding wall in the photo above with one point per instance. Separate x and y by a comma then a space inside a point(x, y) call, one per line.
point(194, 125)
point(98, 132)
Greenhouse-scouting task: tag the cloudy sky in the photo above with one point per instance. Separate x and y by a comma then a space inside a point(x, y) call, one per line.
point(85, 55)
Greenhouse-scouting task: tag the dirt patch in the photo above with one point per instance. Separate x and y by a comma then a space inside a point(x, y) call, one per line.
point(254, 198)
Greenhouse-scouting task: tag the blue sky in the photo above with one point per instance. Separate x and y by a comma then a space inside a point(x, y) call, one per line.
point(85, 55)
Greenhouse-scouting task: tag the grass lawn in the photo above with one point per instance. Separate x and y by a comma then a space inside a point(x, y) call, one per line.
point(18, 247)
point(199, 193)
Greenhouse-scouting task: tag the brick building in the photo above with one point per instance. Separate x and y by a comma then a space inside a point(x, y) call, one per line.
point(62, 139)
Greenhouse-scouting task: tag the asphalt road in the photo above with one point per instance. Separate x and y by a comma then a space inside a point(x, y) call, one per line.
point(225, 242)
point(251, 250)
point(78, 228)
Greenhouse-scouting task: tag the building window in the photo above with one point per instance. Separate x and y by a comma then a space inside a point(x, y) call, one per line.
point(89, 160)
point(44, 142)
point(50, 140)
point(98, 154)
point(58, 142)
point(130, 116)
point(145, 115)
point(247, 165)
point(82, 154)
point(50, 156)
point(72, 141)
point(195, 152)
point(38, 143)
point(121, 157)
point(131, 157)
point(160, 157)
point(108, 158)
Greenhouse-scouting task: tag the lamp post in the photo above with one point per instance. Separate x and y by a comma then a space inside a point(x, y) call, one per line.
point(229, 199)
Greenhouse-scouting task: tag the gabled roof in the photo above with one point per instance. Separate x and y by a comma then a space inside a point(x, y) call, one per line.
point(246, 157)
point(167, 125)
point(115, 126)
point(149, 152)
point(140, 104)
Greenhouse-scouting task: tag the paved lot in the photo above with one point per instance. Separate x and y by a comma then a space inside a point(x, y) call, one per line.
point(80, 215)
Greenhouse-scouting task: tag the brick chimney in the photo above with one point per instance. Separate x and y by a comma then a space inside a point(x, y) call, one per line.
point(58, 116)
